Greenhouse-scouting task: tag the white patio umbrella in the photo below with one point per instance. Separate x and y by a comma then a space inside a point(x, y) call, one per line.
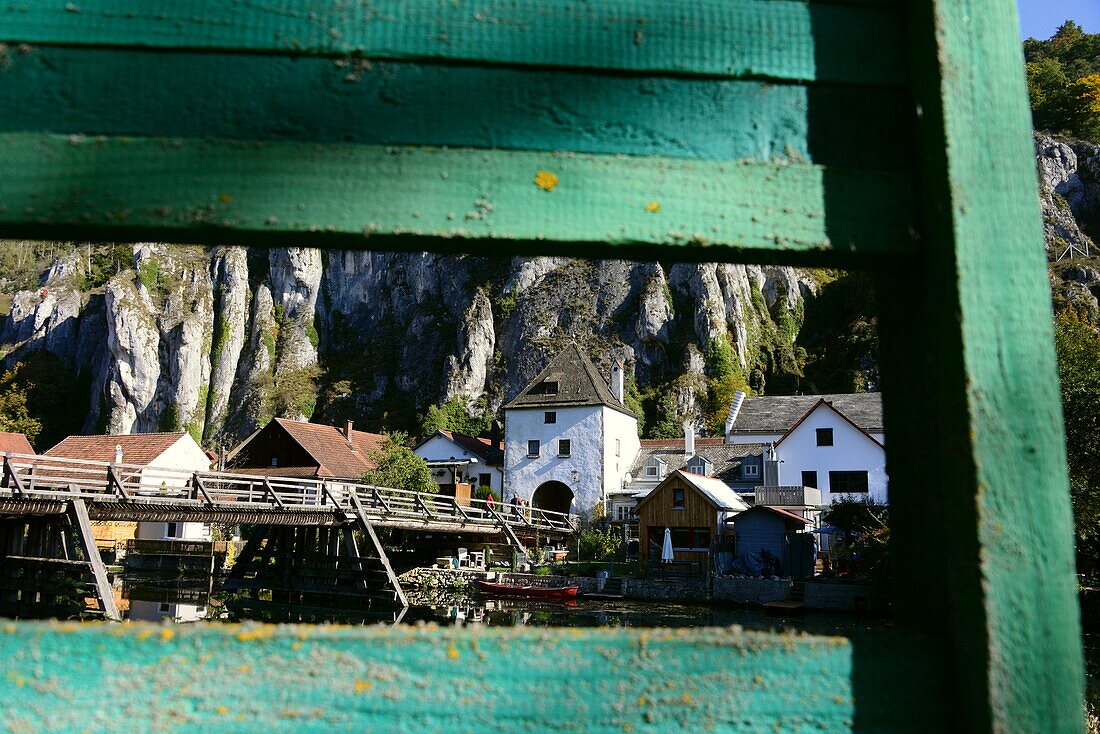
point(666, 547)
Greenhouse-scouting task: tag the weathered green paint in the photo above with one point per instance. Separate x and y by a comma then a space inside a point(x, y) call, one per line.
point(981, 514)
point(62, 678)
point(198, 191)
point(209, 95)
point(779, 39)
point(978, 482)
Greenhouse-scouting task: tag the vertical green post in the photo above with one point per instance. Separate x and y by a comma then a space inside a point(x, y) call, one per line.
point(983, 528)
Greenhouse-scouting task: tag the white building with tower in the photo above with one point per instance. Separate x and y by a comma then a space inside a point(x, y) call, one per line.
point(569, 439)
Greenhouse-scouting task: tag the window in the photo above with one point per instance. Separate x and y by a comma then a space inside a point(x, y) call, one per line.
point(172, 531)
point(624, 513)
point(847, 481)
point(677, 499)
point(550, 387)
point(563, 447)
point(809, 479)
point(550, 416)
point(618, 447)
point(274, 461)
point(824, 436)
point(750, 470)
point(651, 471)
point(532, 449)
point(485, 481)
point(690, 538)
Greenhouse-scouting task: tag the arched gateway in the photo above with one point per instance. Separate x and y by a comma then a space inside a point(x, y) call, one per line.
point(552, 496)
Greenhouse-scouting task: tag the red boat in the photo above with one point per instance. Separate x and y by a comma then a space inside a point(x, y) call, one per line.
point(545, 592)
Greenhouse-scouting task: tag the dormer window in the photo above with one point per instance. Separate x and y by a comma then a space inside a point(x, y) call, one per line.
point(550, 387)
point(699, 465)
point(655, 468)
point(651, 471)
point(750, 471)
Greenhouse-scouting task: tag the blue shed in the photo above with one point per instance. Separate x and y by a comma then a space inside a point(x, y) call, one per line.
point(778, 532)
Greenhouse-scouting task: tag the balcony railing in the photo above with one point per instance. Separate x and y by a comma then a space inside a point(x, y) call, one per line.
point(788, 496)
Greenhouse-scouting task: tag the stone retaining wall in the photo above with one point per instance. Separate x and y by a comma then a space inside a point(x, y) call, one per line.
point(667, 589)
point(845, 597)
point(750, 590)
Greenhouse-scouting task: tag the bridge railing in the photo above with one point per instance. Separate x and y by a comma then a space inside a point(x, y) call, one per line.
point(48, 476)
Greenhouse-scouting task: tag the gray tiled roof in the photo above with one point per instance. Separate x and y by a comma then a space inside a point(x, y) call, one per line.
point(578, 381)
point(776, 413)
point(726, 458)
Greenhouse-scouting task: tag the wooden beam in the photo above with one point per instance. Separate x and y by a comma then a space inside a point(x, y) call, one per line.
point(200, 488)
point(778, 39)
point(381, 679)
point(368, 529)
point(353, 195)
point(970, 391)
point(115, 484)
point(12, 480)
point(376, 499)
point(78, 514)
point(187, 94)
point(269, 491)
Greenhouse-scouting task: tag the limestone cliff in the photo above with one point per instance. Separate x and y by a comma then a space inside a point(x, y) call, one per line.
point(218, 340)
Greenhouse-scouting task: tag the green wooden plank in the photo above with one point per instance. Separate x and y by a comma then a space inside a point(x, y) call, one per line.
point(778, 39)
point(214, 95)
point(317, 679)
point(982, 526)
point(187, 190)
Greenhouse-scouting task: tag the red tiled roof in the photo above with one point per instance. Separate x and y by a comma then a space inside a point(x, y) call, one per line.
point(330, 449)
point(14, 443)
point(480, 445)
point(138, 449)
point(297, 472)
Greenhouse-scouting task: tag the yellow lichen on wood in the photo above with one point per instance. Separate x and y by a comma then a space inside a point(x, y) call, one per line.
point(546, 180)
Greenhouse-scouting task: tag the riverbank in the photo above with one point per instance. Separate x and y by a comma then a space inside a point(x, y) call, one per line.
point(823, 594)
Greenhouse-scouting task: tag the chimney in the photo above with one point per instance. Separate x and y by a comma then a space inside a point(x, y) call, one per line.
point(618, 385)
point(771, 467)
point(118, 453)
point(735, 408)
point(689, 441)
point(348, 425)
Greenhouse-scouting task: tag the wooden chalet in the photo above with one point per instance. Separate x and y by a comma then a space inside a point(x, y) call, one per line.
point(286, 448)
point(694, 507)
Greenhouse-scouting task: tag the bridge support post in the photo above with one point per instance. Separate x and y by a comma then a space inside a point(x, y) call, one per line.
point(368, 529)
point(78, 513)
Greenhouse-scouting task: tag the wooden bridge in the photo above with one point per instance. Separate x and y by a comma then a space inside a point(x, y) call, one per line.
point(302, 542)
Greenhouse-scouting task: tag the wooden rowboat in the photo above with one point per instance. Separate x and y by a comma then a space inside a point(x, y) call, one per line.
point(546, 592)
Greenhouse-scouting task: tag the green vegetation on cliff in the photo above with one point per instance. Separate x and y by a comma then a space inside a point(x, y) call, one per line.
point(1063, 80)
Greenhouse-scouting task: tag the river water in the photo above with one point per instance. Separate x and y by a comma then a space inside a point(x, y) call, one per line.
point(149, 598)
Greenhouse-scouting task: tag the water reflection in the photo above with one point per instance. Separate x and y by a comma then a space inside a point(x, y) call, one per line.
point(150, 598)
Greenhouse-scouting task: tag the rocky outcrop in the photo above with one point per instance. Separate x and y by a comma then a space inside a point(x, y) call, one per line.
point(1069, 192)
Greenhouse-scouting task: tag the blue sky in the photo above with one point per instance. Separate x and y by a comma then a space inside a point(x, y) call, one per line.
point(1040, 18)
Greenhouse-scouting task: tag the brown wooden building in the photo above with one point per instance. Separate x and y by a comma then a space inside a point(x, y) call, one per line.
point(286, 448)
point(695, 508)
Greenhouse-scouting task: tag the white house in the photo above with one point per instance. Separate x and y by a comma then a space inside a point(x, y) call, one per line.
point(150, 452)
point(456, 457)
point(832, 442)
point(569, 439)
point(827, 450)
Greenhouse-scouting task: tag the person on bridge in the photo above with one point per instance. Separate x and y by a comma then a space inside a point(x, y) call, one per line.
point(490, 502)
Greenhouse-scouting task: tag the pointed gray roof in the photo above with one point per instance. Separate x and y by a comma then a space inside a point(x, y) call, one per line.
point(778, 413)
point(579, 383)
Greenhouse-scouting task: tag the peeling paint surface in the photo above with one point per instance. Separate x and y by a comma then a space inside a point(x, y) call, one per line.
point(93, 677)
